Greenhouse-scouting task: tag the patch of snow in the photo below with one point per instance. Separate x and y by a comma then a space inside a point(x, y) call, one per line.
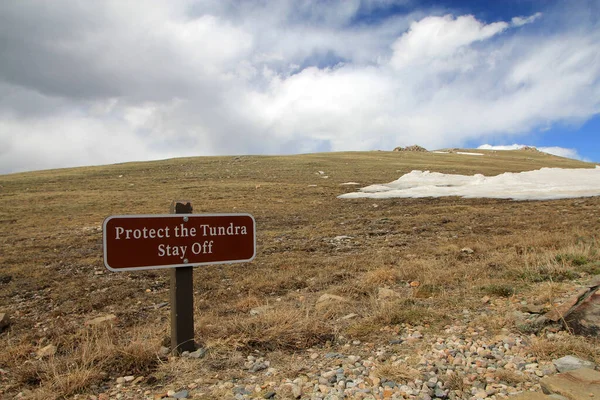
point(440, 152)
point(466, 153)
point(321, 172)
point(543, 184)
point(349, 183)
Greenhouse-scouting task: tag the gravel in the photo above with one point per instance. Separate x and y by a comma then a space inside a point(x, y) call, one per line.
point(460, 362)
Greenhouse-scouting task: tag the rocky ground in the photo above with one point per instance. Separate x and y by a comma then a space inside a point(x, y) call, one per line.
point(463, 361)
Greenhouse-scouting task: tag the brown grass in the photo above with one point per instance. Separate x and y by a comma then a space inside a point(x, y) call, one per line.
point(548, 349)
point(52, 278)
point(510, 377)
point(399, 373)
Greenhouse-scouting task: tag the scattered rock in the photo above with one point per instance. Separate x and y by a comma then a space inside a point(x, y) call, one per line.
point(583, 383)
point(562, 311)
point(110, 318)
point(182, 394)
point(46, 351)
point(349, 316)
point(328, 299)
point(4, 279)
point(342, 237)
point(570, 363)
point(415, 148)
point(261, 310)
point(533, 309)
point(467, 250)
point(585, 318)
point(200, 353)
point(4, 321)
point(258, 366)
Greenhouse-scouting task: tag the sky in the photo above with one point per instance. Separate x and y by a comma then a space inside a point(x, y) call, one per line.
point(88, 83)
point(542, 184)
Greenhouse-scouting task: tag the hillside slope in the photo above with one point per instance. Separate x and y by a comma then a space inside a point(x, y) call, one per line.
point(397, 265)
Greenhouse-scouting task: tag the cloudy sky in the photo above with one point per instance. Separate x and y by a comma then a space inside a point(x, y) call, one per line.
point(97, 82)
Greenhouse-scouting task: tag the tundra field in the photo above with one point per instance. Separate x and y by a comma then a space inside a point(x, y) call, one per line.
point(388, 266)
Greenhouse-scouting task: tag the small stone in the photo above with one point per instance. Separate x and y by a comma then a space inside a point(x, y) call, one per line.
point(327, 299)
point(138, 380)
point(296, 391)
point(467, 250)
point(110, 318)
point(570, 363)
point(269, 395)
point(259, 366)
point(482, 394)
point(4, 321)
point(198, 353)
point(182, 394)
point(46, 351)
point(533, 309)
point(261, 310)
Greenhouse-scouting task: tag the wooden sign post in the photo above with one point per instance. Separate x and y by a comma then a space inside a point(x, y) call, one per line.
point(180, 240)
point(182, 298)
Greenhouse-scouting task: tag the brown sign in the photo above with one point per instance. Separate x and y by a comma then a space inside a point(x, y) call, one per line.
point(134, 242)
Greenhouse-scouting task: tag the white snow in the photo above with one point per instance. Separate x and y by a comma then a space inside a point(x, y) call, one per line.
point(466, 153)
point(543, 184)
point(349, 184)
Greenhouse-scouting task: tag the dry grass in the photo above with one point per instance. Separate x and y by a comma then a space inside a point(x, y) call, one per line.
point(456, 381)
point(510, 377)
point(52, 278)
point(399, 373)
point(548, 349)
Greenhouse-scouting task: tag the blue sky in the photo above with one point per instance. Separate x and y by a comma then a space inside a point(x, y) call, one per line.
point(124, 81)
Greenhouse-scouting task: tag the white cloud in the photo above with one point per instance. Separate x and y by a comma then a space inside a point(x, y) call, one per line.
point(543, 184)
point(555, 150)
point(561, 152)
point(117, 81)
point(520, 21)
point(439, 38)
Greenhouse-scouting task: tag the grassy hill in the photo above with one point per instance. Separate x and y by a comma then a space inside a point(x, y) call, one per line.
point(309, 243)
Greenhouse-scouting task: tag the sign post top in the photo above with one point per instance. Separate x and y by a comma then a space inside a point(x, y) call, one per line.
point(138, 242)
